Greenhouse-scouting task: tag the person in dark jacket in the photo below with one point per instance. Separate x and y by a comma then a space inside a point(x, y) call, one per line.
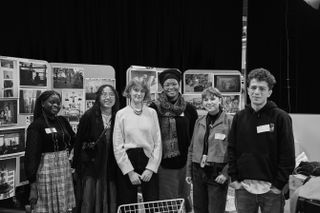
point(261, 149)
point(49, 140)
point(177, 119)
point(93, 154)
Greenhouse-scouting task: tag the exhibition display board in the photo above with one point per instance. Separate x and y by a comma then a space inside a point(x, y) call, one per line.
point(21, 82)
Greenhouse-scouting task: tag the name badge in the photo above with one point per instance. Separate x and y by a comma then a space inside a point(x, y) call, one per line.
point(219, 136)
point(182, 114)
point(50, 130)
point(263, 128)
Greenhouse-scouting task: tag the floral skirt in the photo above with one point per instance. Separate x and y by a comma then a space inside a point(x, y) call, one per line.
point(54, 184)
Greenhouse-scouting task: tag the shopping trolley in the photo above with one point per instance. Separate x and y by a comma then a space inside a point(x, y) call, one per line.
point(160, 206)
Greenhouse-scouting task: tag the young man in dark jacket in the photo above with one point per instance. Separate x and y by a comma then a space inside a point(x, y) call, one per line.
point(261, 149)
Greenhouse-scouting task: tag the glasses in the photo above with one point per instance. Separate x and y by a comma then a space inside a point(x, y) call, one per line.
point(105, 95)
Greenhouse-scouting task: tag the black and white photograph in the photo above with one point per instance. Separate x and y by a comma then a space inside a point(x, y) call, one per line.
point(195, 100)
point(27, 100)
point(197, 82)
point(33, 74)
point(227, 83)
point(72, 105)
point(8, 74)
point(6, 63)
point(12, 141)
point(8, 112)
point(7, 178)
point(92, 85)
point(67, 77)
point(8, 83)
point(231, 103)
point(150, 77)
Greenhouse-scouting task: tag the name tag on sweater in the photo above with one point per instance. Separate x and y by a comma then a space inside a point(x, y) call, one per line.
point(219, 136)
point(50, 130)
point(263, 128)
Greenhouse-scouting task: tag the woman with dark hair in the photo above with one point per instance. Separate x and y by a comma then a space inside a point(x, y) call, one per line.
point(49, 139)
point(93, 154)
point(137, 145)
point(177, 118)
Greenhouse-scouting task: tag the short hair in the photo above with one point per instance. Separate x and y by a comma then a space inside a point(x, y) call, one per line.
point(134, 83)
point(211, 91)
point(262, 74)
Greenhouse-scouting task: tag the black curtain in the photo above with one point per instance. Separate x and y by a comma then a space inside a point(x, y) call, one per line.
point(284, 37)
point(182, 33)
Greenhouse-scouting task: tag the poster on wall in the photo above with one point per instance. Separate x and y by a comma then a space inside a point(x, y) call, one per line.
point(147, 76)
point(8, 112)
point(197, 82)
point(7, 178)
point(67, 77)
point(8, 78)
point(33, 74)
point(231, 103)
point(27, 100)
point(196, 101)
point(72, 106)
point(92, 85)
point(227, 83)
point(12, 141)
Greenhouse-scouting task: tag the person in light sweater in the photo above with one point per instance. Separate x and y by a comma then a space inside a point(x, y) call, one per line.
point(137, 145)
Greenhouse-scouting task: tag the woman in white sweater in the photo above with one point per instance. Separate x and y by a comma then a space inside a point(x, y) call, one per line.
point(137, 145)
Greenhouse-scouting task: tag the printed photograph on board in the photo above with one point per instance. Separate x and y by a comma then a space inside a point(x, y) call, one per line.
point(33, 74)
point(93, 84)
point(12, 141)
point(7, 177)
point(231, 103)
point(8, 83)
point(27, 100)
point(7, 63)
point(72, 105)
point(197, 82)
point(196, 101)
point(8, 112)
point(67, 77)
point(150, 77)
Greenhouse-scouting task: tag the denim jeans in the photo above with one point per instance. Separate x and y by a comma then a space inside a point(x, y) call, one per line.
point(208, 195)
point(269, 202)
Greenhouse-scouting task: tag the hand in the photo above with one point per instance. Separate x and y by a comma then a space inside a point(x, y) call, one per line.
point(275, 190)
point(189, 180)
point(221, 179)
point(236, 185)
point(33, 197)
point(146, 175)
point(134, 178)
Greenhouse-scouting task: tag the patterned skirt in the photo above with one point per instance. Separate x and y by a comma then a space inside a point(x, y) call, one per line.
point(54, 184)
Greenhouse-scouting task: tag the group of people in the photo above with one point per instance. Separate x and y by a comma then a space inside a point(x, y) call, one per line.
point(161, 149)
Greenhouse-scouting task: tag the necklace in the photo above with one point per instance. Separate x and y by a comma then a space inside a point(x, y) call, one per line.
point(136, 111)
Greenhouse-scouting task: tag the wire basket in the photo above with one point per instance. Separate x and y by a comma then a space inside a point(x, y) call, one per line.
point(160, 206)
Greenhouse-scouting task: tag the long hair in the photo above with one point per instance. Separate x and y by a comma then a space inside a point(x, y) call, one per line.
point(37, 113)
point(116, 105)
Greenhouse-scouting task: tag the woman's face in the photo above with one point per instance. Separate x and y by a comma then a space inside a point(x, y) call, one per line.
point(52, 105)
point(211, 103)
point(171, 88)
point(107, 98)
point(137, 95)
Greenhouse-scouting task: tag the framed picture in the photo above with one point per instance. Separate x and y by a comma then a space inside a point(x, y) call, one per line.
point(150, 77)
point(27, 100)
point(33, 74)
point(8, 112)
point(231, 103)
point(12, 141)
point(227, 83)
point(92, 85)
point(8, 83)
point(6, 63)
point(67, 77)
point(197, 82)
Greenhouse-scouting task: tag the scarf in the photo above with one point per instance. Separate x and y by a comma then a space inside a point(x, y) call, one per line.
point(167, 113)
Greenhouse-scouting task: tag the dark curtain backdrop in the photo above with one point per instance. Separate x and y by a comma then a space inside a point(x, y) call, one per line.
point(284, 37)
point(170, 33)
